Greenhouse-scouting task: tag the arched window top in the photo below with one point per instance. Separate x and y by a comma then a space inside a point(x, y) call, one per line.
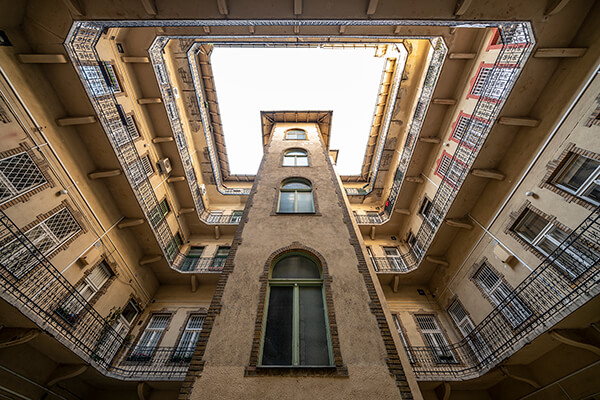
point(295, 134)
point(296, 184)
point(295, 158)
point(295, 266)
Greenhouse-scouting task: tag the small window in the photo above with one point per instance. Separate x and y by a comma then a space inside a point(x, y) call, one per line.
point(428, 212)
point(70, 308)
point(501, 295)
point(145, 346)
point(132, 127)
point(295, 134)
point(296, 196)
point(581, 177)
point(435, 339)
point(130, 311)
point(295, 158)
point(546, 237)
point(295, 322)
point(189, 338)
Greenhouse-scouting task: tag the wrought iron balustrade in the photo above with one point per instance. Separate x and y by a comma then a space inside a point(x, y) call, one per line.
point(393, 263)
point(549, 291)
point(51, 302)
point(200, 264)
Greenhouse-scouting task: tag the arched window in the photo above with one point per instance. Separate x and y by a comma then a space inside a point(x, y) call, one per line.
point(296, 196)
point(296, 324)
point(295, 134)
point(295, 158)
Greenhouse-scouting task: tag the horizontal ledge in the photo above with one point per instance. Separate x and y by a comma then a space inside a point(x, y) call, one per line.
point(104, 173)
point(414, 179)
point(402, 211)
point(489, 174)
point(130, 222)
point(437, 260)
point(150, 259)
point(459, 223)
point(519, 121)
point(430, 139)
point(149, 100)
point(68, 121)
point(135, 60)
point(462, 56)
point(444, 102)
point(175, 179)
point(42, 58)
point(162, 139)
point(560, 52)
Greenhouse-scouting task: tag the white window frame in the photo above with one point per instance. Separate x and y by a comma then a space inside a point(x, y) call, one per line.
point(292, 160)
point(150, 337)
point(87, 288)
point(394, 258)
point(592, 179)
point(467, 329)
point(435, 339)
point(189, 338)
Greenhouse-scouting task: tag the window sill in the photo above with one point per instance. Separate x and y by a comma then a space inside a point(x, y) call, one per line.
point(274, 370)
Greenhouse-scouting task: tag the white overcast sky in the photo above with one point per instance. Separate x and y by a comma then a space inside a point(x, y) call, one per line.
point(250, 80)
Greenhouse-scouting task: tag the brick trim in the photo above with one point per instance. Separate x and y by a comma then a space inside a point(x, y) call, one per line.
point(554, 167)
point(338, 369)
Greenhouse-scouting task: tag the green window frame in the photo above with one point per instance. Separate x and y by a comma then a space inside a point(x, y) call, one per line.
point(220, 257)
point(295, 134)
point(295, 329)
point(296, 196)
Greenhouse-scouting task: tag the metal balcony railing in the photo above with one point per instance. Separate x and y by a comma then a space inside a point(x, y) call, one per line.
point(549, 291)
point(51, 302)
point(200, 264)
point(393, 263)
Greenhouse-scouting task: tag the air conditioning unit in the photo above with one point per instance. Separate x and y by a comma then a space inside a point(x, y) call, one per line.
point(164, 165)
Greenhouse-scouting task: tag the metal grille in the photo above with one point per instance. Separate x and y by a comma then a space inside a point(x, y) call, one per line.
point(542, 299)
point(132, 128)
point(18, 174)
point(147, 164)
point(481, 81)
point(62, 224)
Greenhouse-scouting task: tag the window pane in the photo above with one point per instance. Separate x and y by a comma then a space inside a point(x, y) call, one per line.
point(302, 161)
point(129, 312)
point(531, 225)
point(298, 267)
point(288, 161)
point(313, 333)
point(305, 202)
point(296, 153)
point(277, 346)
point(286, 201)
point(578, 172)
point(295, 185)
point(593, 192)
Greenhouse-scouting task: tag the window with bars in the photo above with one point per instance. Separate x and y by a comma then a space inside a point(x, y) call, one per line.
point(403, 338)
point(450, 170)
point(435, 339)
point(469, 130)
point(501, 295)
point(149, 339)
point(72, 306)
point(132, 127)
point(544, 236)
point(160, 212)
point(480, 81)
point(46, 236)
point(218, 261)
point(101, 78)
point(18, 175)
point(394, 258)
point(189, 338)
point(580, 176)
point(147, 165)
point(467, 329)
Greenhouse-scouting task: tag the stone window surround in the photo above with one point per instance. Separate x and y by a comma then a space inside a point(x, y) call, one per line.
point(338, 368)
point(554, 167)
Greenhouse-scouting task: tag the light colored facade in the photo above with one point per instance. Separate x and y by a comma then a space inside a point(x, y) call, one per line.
point(461, 263)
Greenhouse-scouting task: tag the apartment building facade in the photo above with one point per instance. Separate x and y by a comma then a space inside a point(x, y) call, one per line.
point(461, 262)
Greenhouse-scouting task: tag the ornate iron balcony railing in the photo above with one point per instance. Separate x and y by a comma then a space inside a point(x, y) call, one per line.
point(549, 291)
point(51, 302)
point(200, 264)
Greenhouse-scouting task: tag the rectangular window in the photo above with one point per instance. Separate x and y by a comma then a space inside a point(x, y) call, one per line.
point(394, 258)
point(581, 177)
point(236, 217)
point(574, 260)
point(46, 236)
point(18, 175)
point(219, 260)
point(428, 211)
point(111, 340)
point(192, 258)
point(70, 308)
point(469, 130)
point(502, 296)
point(189, 338)
point(468, 331)
point(147, 343)
point(132, 127)
point(403, 339)
point(451, 169)
point(147, 165)
point(160, 212)
point(435, 339)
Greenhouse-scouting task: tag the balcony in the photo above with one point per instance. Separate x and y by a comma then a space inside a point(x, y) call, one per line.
point(51, 302)
point(548, 291)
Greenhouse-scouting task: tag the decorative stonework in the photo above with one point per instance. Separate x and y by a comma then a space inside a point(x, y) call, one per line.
point(338, 369)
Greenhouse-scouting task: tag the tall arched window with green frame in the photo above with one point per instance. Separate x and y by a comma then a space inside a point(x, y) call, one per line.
point(295, 327)
point(296, 196)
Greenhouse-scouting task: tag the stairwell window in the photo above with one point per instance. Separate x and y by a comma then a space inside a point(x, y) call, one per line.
point(435, 339)
point(295, 158)
point(296, 196)
point(144, 349)
point(546, 237)
point(580, 177)
point(502, 296)
point(295, 326)
point(189, 338)
point(295, 134)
